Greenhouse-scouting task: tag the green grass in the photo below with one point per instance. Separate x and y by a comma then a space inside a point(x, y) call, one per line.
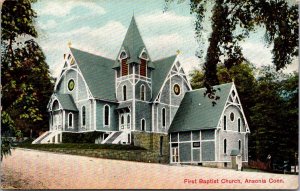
point(79, 146)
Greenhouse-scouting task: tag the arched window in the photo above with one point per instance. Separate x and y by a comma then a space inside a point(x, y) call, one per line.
point(124, 65)
point(70, 120)
point(143, 125)
point(239, 125)
point(55, 105)
point(232, 116)
point(163, 116)
point(106, 115)
point(143, 92)
point(240, 145)
point(128, 121)
point(83, 116)
point(225, 146)
point(122, 119)
point(124, 93)
point(225, 122)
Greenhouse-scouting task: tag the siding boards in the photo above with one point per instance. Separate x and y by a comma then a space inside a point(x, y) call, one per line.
point(196, 154)
point(208, 134)
point(185, 152)
point(208, 151)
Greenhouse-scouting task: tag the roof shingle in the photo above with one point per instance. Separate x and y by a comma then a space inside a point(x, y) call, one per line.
point(196, 111)
point(98, 74)
point(67, 102)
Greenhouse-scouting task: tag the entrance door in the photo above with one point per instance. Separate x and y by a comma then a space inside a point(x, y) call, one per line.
point(175, 155)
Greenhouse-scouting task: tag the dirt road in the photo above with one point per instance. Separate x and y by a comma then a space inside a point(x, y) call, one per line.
point(29, 169)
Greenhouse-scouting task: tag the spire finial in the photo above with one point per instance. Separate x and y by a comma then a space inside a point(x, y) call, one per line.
point(69, 44)
point(178, 52)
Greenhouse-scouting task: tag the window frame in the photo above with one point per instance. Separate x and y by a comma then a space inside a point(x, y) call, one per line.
point(239, 125)
point(163, 117)
point(83, 116)
point(72, 121)
point(145, 127)
point(71, 79)
point(224, 122)
point(143, 92)
point(124, 92)
point(225, 146)
point(230, 116)
point(104, 115)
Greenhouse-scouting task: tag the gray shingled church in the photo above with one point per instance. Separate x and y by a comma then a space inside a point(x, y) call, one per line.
point(136, 96)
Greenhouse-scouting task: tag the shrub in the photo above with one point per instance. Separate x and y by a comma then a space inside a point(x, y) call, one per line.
point(87, 137)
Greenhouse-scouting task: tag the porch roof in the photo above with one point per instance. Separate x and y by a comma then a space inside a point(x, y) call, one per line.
point(66, 101)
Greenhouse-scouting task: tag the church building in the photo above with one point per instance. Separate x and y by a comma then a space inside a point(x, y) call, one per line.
point(135, 94)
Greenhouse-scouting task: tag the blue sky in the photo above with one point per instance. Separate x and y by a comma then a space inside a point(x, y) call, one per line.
point(99, 27)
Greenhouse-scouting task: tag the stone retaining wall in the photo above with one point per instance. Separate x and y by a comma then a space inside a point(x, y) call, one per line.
point(129, 155)
point(156, 152)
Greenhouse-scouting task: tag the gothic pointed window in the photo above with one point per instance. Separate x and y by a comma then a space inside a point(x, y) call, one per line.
point(83, 116)
point(143, 125)
point(225, 146)
point(128, 121)
point(163, 116)
point(124, 93)
point(106, 115)
point(70, 120)
point(143, 93)
point(225, 122)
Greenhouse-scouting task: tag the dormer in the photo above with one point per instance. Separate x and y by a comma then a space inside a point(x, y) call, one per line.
point(122, 58)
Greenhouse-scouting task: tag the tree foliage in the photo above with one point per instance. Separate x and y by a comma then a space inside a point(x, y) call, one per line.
point(233, 20)
point(26, 82)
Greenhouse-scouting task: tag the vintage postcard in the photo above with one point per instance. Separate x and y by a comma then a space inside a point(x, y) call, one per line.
point(156, 94)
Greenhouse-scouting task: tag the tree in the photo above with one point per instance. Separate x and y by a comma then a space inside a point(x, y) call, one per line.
point(232, 21)
point(26, 81)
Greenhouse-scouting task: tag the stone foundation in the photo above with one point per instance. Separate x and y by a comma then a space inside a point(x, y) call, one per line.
point(157, 150)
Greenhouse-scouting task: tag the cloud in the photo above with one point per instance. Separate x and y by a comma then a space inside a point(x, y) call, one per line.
point(163, 45)
point(257, 53)
point(163, 18)
point(49, 24)
point(64, 8)
point(105, 41)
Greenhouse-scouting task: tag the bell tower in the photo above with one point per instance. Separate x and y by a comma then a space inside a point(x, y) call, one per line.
point(133, 69)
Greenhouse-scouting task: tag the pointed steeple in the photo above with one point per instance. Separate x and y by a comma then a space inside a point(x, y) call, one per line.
point(133, 42)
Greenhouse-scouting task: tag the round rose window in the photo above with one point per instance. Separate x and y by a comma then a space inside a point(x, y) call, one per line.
point(176, 89)
point(71, 85)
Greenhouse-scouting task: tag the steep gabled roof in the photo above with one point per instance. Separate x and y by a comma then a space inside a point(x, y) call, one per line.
point(66, 101)
point(162, 68)
point(196, 111)
point(133, 44)
point(97, 73)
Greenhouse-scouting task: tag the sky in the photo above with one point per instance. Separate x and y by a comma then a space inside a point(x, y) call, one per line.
point(99, 27)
